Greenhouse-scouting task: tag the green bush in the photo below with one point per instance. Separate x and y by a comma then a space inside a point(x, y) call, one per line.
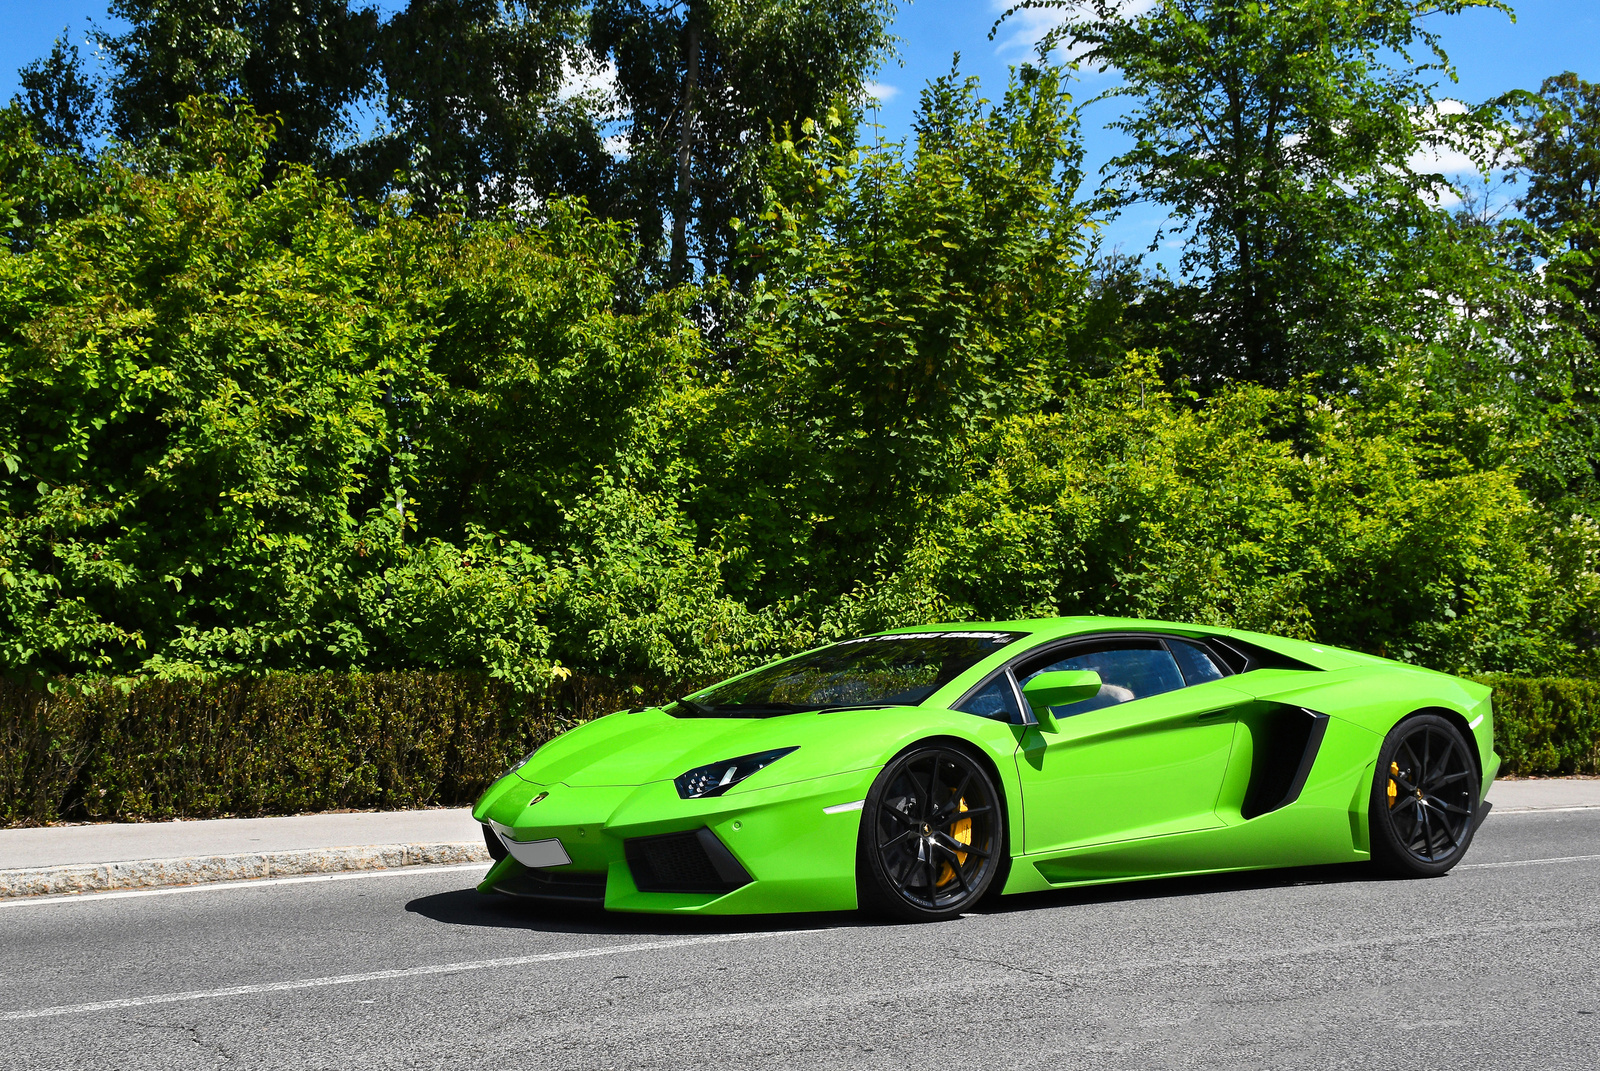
point(1546, 726)
point(279, 744)
point(289, 743)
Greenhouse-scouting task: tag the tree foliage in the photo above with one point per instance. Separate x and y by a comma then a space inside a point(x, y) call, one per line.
point(1280, 137)
point(254, 419)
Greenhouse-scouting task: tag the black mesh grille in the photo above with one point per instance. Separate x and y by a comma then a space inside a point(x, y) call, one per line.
point(695, 862)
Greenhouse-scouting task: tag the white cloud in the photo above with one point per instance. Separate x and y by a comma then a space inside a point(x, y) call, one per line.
point(1024, 29)
point(882, 93)
point(599, 84)
point(1444, 158)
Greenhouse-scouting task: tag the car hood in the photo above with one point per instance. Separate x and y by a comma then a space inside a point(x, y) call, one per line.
point(639, 747)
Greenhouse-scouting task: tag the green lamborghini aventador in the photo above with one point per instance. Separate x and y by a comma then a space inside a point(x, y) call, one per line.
point(917, 771)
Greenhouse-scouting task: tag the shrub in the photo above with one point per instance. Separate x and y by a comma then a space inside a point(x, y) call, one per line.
point(288, 743)
point(278, 744)
point(1546, 726)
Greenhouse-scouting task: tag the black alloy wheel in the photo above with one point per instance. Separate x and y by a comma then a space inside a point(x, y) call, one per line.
point(1424, 798)
point(932, 836)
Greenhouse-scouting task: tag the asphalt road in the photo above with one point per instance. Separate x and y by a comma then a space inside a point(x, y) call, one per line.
point(1496, 965)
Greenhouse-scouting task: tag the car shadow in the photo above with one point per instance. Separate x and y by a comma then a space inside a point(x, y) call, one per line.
point(468, 907)
point(1197, 885)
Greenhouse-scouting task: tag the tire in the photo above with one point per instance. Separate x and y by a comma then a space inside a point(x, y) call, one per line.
point(1424, 798)
point(932, 836)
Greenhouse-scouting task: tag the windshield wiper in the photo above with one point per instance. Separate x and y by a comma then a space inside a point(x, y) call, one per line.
point(694, 708)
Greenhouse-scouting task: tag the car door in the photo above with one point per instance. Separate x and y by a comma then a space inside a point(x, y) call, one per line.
point(1143, 758)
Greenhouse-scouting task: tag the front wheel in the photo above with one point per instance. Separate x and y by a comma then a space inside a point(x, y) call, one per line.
point(932, 836)
point(1424, 798)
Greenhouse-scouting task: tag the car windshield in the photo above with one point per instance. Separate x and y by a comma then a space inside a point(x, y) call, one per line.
point(873, 671)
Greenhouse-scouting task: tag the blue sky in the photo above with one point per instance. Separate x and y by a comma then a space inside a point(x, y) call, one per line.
point(1491, 54)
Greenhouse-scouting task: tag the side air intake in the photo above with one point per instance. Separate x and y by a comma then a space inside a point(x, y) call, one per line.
point(1286, 744)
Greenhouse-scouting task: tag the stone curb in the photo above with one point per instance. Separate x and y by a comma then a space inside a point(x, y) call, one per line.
point(191, 870)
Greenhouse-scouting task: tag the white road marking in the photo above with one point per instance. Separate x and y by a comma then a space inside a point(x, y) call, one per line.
point(1544, 810)
point(1529, 862)
point(380, 976)
point(254, 883)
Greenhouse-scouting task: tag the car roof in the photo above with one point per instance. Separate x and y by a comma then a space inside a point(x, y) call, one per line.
point(1041, 629)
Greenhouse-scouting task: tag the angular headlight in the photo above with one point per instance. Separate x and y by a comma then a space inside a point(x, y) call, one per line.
point(714, 780)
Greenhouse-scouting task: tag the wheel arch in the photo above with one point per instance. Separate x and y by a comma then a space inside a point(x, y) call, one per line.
point(1456, 718)
point(974, 751)
point(984, 759)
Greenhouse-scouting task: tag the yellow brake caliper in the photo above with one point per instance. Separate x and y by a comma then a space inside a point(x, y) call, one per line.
point(1394, 791)
point(961, 832)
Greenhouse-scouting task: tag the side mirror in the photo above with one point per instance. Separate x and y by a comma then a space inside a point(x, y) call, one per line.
point(1057, 689)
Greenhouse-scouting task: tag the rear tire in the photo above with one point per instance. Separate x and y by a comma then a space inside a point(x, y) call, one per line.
point(932, 836)
point(1425, 795)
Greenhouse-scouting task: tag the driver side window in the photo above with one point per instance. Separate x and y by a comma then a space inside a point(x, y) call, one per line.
point(1129, 669)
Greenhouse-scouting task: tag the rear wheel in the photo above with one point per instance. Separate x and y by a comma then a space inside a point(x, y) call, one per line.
point(932, 836)
point(1424, 798)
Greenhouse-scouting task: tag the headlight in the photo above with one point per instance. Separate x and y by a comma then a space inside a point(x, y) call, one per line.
point(520, 763)
point(714, 780)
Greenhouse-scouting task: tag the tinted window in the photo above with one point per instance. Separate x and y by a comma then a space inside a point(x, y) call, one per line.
point(872, 671)
point(1196, 662)
point(997, 700)
point(1129, 670)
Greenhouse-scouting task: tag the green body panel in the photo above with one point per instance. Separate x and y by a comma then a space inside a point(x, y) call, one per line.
point(1150, 788)
point(1140, 769)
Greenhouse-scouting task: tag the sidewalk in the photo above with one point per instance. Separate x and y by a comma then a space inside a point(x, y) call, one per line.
point(1545, 794)
point(94, 858)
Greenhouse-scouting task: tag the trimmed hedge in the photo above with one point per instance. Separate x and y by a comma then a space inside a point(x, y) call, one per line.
point(279, 744)
point(1546, 726)
point(289, 743)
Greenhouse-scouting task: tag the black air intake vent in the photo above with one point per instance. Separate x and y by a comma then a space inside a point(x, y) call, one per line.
point(693, 862)
point(1286, 743)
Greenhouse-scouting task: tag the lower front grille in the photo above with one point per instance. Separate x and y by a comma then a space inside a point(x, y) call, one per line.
point(566, 886)
point(692, 862)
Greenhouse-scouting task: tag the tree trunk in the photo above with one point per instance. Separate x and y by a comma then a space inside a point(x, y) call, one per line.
point(683, 203)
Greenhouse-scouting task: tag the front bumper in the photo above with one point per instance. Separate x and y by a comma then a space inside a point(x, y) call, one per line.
point(644, 848)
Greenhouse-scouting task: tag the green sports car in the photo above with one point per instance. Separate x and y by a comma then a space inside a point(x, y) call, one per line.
point(917, 771)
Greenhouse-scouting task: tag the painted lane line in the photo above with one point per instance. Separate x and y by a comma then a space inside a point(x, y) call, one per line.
point(1529, 862)
point(1545, 810)
point(254, 883)
point(381, 976)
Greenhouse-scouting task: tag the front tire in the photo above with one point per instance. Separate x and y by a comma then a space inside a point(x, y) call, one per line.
point(1424, 798)
point(932, 836)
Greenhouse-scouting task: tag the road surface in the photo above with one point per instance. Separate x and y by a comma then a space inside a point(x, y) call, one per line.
point(1496, 965)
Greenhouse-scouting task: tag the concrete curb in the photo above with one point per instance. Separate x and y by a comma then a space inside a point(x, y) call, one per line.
point(152, 873)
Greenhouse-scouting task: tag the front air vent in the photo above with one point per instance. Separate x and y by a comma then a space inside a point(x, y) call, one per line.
point(692, 862)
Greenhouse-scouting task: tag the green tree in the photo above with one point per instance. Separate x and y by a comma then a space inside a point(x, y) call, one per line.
point(900, 304)
point(305, 62)
point(704, 85)
point(60, 98)
point(1279, 135)
point(1560, 160)
point(477, 115)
